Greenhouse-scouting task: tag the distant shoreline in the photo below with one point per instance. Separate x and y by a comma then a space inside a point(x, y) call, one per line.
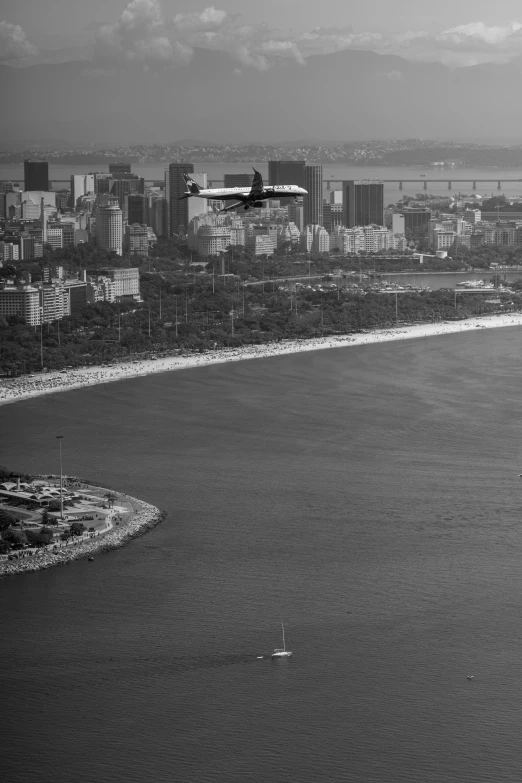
point(25, 387)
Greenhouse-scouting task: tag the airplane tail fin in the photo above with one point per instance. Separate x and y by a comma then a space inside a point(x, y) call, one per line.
point(192, 186)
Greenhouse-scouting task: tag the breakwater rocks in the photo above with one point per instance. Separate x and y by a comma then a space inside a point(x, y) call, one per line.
point(145, 518)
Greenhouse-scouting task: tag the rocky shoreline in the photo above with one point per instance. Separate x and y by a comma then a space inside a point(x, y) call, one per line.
point(146, 518)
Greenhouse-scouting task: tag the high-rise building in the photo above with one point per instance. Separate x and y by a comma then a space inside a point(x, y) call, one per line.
point(198, 206)
point(178, 210)
point(126, 281)
point(136, 240)
point(238, 180)
point(36, 175)
point(118, 170)
point(363, 203)
point(21, 300)
point(295, 215)
point(54, 302)
point(313, 201)
point(81, 184)
point(137, 209)
point(109, 229)
point(102, 182)
point(332, 216)
point(286, 172)
point(123, 187)
point(416, 221)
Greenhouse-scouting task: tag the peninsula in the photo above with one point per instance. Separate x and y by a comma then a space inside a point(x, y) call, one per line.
point(43, 525)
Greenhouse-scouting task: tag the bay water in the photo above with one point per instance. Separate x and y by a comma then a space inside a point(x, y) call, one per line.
point(368, 497)
point(438, 178)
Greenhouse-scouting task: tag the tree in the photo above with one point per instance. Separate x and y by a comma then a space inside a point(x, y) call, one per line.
point(111, 497)
point(77, 528)
point(16, 538)
point(54, 505)
point(7, 519)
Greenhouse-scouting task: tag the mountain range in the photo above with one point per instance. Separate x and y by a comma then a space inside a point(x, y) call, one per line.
point(342, 96)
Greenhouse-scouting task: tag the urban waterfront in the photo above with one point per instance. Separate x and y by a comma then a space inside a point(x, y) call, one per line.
point(392, 192)
point(368, 497)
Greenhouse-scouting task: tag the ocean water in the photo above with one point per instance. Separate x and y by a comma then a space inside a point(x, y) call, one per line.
point(368, 497)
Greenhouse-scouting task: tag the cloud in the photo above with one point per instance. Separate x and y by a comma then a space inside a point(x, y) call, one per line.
point(469, 44)
point(209, 19)
point(140, 35)
point(13, 43)
point(144, 34)
point(323, 40)
point(283, 48)
point(479, 33)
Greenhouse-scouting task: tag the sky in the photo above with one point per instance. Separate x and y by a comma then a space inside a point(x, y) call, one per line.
point(457, 34)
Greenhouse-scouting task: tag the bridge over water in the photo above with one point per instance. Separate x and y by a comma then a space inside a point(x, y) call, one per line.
point(328, 181)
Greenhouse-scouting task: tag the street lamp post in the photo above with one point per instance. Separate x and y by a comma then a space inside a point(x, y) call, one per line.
point(59, 439)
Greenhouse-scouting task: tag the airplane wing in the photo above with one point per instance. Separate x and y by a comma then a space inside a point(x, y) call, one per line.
point(257, 187)
point(232, 206)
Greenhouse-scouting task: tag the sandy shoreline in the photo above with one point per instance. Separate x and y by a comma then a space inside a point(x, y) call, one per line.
point(27, 387)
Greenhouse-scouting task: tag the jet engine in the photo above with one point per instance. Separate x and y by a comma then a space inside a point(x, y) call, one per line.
point(258, 203)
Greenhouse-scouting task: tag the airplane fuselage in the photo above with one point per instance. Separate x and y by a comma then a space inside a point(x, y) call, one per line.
point(269, 191)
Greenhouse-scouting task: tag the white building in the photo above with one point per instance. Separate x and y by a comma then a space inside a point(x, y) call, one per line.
point(55, 302)
point(109, 229)
point(441, 239)
point(261, 239)
point(81, 185)
point(288, 234)
point(213, 240)
point(23, 300)
point(315, 239)
point(198, 206)
point(398, 223)
point(9, 251)
point(55, 237)
point(100, 289)
point(126, 281)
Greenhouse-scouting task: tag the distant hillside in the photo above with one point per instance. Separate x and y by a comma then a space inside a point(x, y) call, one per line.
point(345, 96)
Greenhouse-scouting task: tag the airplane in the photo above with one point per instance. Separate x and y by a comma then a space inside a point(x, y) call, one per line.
point(245, 197)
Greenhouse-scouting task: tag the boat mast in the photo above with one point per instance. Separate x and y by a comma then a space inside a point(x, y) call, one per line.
point(284, 646)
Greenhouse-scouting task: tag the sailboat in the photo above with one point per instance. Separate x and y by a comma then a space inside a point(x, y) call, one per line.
point(284, 653)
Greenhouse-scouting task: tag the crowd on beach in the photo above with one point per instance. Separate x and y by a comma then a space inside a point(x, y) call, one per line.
point(144, 518)
point(25, 387)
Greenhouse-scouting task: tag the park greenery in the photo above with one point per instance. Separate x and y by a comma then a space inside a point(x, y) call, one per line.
point(189, 307)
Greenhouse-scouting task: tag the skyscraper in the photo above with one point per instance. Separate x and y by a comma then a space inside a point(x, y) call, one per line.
point(80, 185)
point(313, 201)
point(238, 180)
point(117, 170)
point(363, 203)
point(198, 206)
point(286, 172)
point(109, 229)
point(178, 210)
point(36, 175)
point(137, 209)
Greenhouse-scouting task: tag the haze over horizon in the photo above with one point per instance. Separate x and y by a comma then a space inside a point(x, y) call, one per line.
point(153, 72)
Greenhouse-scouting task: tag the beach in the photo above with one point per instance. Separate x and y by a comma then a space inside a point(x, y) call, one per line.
point(26, 387)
